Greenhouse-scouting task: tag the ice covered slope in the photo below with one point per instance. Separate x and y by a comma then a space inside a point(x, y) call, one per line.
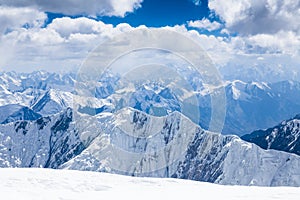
point(284, 137)
point(36, 184)
point(134, 143)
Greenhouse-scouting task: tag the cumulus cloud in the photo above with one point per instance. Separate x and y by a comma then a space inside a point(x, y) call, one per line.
point(258, 16)
point(11, 18)
point(79, 7)
point(65, 42)
point(66, 26)
point(283, 42)
point(205, 24)
point(26, 43)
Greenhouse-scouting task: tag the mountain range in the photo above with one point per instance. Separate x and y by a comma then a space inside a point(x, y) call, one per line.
point(134, 143)
point(45, 123)
point(249, 106)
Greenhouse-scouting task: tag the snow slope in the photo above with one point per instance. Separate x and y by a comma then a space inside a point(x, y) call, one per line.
point(36, 184)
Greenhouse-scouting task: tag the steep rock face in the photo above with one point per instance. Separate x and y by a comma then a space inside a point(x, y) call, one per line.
point(283, 137)
point(64, 143)
point(46, 142)
point(204, 158)
point(134, 143)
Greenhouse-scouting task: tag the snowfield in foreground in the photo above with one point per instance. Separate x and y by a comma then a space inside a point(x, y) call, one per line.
point(17, 183)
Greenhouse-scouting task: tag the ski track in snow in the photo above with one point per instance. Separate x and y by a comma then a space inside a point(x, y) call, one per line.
point(34, 183)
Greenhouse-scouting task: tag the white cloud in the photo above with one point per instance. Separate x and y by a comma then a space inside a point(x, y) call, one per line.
point(11, 18)
point(121, 7)
point(197, 2)
point(205, 24)
point(66, 26)
point(78, 7)
point(258, 16)
point(283, 42)
point(64, 43)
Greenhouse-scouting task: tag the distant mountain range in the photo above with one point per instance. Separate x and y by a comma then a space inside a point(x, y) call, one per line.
point(249, 106)
point(252, 106)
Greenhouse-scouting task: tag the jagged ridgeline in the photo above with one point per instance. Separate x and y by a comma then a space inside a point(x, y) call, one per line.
point(284, 137)
point(58, 142)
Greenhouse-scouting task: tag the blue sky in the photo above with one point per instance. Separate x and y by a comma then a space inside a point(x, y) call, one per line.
point(157, 13)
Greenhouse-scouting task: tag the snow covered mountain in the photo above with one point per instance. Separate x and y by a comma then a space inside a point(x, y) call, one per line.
point(24, 89)
point(249, 106)
point(13, 112)
point(133, 143)
point(253, 105)
point(45, 142)
point(284, 137)
point(53, 101)
point(104, 136)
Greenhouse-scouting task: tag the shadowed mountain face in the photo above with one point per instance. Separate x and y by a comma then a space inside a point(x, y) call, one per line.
point(12, 112)
point(284, 137)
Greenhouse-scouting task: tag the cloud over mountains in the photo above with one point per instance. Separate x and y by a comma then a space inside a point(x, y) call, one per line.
point(29, 41)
